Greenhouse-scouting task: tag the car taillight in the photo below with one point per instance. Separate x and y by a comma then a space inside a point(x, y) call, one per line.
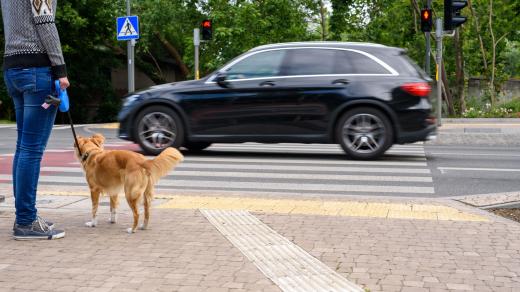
point(417, 88)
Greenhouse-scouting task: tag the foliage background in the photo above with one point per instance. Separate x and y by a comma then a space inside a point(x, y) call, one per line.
point(87, 31)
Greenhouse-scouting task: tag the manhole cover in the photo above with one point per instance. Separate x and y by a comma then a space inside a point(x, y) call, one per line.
point(104, 203)
point(43, 202)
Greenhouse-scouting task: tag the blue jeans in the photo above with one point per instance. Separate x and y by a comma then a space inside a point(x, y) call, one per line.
point(28, 88)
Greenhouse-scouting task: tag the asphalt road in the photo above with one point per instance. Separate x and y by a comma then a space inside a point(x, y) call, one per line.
point(415, 170)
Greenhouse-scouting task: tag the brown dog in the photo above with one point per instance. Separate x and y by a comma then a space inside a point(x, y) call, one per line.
point(113, 171)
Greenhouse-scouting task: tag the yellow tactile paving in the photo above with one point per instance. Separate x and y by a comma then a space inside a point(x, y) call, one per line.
point(308, 207)
point(319, 207)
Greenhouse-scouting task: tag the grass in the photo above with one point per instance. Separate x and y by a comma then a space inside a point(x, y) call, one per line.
point(6, 122)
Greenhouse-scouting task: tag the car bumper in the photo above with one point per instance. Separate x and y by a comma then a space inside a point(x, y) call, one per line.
point(427, 134)
point(125, 128)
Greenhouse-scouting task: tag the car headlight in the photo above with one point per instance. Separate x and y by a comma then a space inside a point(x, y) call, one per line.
point(131, 99)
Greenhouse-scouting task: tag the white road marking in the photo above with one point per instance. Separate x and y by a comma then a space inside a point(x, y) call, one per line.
point(474, 154)
point(179, 173)
point(445, 169)
point(257, 185)
point(341, 169)
point(286, 264)
point(304, 161)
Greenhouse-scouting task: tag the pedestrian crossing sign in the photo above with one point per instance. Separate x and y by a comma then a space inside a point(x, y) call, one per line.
point(127, 28)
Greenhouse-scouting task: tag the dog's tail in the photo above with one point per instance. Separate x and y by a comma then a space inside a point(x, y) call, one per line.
point(163, 163)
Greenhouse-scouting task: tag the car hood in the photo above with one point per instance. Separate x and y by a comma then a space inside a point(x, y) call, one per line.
point(171, 87)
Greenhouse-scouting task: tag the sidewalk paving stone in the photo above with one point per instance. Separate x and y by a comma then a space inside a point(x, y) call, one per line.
point(184, 252)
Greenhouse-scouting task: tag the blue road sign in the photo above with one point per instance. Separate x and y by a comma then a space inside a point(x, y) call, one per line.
point(127, 28)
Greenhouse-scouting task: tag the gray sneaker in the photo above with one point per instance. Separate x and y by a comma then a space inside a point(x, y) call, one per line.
point(37, 230)
point(50, 225)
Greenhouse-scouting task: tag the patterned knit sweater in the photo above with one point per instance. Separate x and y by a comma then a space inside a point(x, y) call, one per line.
point(31, 37)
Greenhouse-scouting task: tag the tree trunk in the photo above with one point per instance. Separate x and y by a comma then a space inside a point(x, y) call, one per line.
point(477, 27)
point(323, 23)
point(459, 74)
point(492, 82)
point(175, 54)
point(414, 4)
point(447, 93)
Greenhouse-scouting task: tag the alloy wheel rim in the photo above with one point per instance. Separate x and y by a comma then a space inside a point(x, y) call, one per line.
point(157, 130)
point(364, 133)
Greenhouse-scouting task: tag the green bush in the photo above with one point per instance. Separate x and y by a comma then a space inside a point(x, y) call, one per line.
point(509, 109)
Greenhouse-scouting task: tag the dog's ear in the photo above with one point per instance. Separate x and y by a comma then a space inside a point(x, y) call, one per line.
point(98, 139)
point(81, 140)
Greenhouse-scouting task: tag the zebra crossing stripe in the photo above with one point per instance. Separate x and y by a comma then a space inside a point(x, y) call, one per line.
point(189, 159)
point(179, 173)
point(336, 169)
point(257, 185)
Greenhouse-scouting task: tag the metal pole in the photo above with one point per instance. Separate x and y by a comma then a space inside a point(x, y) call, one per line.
point(130, 54)
point(196, 42)
point(438, 37)
point(428, 45)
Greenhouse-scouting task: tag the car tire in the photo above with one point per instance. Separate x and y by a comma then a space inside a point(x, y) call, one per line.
point(157, 128)
point(196, 146)
point(364, 133)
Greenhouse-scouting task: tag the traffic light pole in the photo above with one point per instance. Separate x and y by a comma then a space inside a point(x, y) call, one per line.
point(196, 42)
point(428, 46)
point(130, 55)
point(438, 38)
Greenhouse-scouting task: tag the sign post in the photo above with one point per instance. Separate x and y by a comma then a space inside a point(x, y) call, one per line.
point(128, 30)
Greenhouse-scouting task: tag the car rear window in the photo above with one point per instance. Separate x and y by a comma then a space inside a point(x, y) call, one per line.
point(403, 64)
point(349, 62)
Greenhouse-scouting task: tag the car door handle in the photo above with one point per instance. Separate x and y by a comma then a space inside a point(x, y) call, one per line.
point(341, 81)
point(267, 83)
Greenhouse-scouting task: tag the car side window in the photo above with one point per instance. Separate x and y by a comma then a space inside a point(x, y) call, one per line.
point(263, 64)
point(349, 62)
point(309, 62)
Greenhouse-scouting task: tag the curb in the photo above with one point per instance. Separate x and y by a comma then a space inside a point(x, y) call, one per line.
point(481, 120)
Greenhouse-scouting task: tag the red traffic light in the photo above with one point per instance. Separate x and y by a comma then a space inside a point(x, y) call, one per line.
point(426, 20)
point(206, 24)
point(426, 14)
point(207, 30)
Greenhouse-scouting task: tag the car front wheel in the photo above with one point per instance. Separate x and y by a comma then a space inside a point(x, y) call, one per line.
point(157, 128)
point(364, 133)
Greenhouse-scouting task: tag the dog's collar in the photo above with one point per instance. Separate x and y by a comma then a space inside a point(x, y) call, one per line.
point(85, 156)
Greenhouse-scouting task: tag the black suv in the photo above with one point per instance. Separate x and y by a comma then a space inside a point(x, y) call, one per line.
point(363, 96)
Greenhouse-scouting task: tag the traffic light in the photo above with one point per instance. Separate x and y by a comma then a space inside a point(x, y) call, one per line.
point(207, 31)
point(426, 20)
point(452, 17)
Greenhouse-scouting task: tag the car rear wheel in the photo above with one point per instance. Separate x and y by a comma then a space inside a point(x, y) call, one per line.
point(364, 133)
point(196, 146)
point(157, 128)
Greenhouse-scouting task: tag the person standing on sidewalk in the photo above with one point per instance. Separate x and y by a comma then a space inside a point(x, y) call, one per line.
point(32, 61)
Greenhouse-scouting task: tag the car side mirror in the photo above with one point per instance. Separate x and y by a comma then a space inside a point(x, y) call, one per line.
point(221, 80)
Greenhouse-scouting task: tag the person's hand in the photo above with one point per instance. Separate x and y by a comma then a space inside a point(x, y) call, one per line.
point(64, 82)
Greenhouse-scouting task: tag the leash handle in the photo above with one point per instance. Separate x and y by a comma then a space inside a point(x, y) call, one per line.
point(62, 96)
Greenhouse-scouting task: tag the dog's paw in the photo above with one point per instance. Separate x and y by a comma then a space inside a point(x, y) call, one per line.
point(91, 224)
point(143, 227)
point(112, 220)
point(130, 230)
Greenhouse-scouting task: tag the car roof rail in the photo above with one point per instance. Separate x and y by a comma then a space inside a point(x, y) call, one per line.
point(317, 43)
